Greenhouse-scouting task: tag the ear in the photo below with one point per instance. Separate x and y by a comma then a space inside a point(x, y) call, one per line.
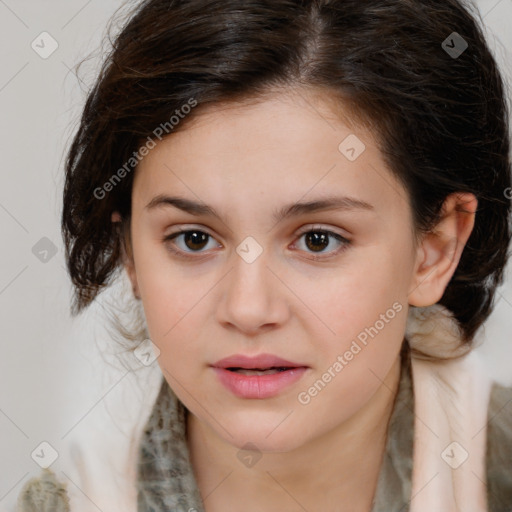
point(127, 256)
point(440, 250)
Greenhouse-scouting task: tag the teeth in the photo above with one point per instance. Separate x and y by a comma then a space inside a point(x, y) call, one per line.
point(270, 371)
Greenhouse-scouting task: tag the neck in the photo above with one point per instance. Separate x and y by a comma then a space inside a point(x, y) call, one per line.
point(337, 471)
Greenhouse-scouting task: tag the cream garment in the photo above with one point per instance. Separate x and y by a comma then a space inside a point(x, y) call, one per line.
point(451, 405)
point(97, 463)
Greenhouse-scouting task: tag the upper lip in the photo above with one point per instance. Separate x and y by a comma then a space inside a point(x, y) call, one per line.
point(261, 361)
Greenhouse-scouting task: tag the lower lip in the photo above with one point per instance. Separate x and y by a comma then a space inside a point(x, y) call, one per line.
point(258, 386)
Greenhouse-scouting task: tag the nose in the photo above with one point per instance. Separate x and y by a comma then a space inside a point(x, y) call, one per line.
point(253, 298)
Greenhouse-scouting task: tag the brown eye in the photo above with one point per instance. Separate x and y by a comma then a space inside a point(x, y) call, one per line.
point(316, 240)
point(195, 240)
point(191, 241)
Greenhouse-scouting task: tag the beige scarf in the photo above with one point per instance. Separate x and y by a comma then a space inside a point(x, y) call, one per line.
point(451, 404)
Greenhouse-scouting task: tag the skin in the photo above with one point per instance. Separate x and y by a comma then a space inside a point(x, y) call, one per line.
point(247, 160)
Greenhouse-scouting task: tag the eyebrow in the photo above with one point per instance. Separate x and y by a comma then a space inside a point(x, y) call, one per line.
point(344, 203)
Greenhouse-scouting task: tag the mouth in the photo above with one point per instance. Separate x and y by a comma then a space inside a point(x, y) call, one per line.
point(259, 382)
point(259, 371)
point(260, 376)
point(266, 363)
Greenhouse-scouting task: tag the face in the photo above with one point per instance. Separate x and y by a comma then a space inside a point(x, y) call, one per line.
point(323, 288)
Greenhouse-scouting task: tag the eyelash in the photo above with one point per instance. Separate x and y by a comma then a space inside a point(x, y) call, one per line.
point(316, 256)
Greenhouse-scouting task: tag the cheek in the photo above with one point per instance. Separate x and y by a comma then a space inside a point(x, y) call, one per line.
point(168, 292)
point(355, 363)
point(364, 307)
point(171, 311)
point(173, 321)
point(175, 306)
point(347, 300)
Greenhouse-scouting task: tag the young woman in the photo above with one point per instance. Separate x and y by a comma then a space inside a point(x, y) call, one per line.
point(311, 201)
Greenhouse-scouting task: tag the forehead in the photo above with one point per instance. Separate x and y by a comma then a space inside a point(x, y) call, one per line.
point(278, 150)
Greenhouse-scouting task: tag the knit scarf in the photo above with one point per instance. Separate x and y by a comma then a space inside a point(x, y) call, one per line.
point(451, 400)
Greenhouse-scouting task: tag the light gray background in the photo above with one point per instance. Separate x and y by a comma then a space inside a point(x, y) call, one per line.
point(54, 379)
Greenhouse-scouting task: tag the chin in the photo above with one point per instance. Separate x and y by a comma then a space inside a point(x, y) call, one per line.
point(254, 437)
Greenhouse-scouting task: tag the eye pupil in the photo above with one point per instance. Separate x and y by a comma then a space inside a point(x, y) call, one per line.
point(317, 238)
point(196, 238)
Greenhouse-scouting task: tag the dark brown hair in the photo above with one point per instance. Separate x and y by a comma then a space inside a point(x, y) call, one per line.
point(441, 119)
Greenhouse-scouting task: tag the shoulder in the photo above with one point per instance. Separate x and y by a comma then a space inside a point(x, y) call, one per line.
point(499, 449)
point(44, 493)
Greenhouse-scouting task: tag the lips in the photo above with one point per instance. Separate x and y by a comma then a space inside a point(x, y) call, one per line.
point(245, 371)
point(262, 362)
point(259, 377)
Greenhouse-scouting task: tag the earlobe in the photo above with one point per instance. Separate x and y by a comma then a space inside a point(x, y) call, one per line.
point(127, 257)
point(440, 250)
